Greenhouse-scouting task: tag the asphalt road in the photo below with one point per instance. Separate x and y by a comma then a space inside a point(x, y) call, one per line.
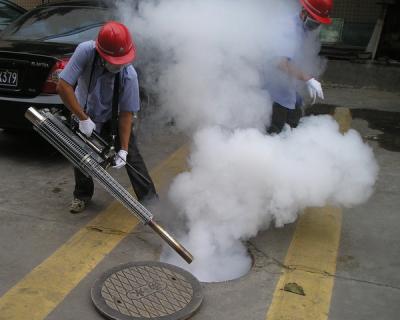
point(35, 191)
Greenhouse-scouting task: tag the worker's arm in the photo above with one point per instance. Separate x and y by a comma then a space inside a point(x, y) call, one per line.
point(69, 76)
point(125, 127)
point(67, 94)
point(289, 68)
point(313, 86)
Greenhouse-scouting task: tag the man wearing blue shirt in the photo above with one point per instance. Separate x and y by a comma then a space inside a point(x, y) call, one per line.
point(286, 108)
point(86, 87)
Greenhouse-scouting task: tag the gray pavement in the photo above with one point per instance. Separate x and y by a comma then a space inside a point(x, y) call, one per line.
point(368, 278)
point(35, 191)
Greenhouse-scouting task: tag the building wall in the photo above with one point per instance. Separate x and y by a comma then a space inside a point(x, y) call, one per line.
point(357, 11)
point(359, 18)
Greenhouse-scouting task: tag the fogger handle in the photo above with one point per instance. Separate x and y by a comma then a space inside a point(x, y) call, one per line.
point(171, 241)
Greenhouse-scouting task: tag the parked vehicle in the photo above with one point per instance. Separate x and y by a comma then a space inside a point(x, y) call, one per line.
point(36, 47)
point(9, 12)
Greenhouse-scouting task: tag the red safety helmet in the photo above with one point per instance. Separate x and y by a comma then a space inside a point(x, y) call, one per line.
point(318, 9)
point(114, 43)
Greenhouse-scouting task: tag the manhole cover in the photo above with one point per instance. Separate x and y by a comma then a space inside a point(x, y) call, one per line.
point(147, 290)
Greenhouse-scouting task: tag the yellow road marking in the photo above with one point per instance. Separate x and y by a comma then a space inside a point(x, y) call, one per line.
point(310, 260)
point(39, 292)
point(343, 118)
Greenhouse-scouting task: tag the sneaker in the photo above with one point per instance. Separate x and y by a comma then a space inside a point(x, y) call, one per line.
point(77, 206)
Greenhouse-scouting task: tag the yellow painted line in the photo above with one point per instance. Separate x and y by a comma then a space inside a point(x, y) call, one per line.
point(39, 292)
point(311, 260)
point(343, 118)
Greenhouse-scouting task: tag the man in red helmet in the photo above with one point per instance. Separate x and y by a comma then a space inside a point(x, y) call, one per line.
point(287, 102)
point(100, 87)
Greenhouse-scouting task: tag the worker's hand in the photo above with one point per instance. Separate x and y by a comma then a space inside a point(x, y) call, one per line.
point(120, 159)
point(314, 89)
point(87, 126)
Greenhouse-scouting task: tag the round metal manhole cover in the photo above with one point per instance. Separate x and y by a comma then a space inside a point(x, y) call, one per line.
point(147, 290)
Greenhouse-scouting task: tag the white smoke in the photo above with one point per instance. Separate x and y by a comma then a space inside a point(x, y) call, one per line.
point(205, 58)
point(208, 61)
point(239, 182)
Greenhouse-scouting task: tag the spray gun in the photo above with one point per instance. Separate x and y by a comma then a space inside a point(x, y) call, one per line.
point(105, 151)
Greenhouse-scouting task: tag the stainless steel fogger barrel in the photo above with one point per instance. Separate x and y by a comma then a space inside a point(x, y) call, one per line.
point(87, 160)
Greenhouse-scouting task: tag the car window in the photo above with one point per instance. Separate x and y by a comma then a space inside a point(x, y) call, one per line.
point(8, 14)
point(58, 24)
point(79, 35)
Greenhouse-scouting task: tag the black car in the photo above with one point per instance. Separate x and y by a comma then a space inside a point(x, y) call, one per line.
point(36, 47)
point(9, 11)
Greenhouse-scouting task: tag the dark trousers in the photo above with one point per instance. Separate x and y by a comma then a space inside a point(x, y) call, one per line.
point(282, 115)
point(144, 190)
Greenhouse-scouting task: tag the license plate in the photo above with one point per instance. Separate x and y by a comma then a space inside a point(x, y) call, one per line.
point(8, 78)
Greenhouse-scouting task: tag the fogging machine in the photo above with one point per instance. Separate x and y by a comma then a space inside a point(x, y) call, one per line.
point(92, 156)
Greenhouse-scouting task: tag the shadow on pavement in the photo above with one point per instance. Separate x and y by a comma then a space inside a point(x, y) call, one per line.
point(26, 146)
point(388, 122)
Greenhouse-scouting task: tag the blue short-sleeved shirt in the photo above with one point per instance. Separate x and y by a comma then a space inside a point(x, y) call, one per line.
point(281, 86)
point(99, 97)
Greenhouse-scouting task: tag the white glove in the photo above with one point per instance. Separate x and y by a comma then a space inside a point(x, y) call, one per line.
point(314, 89)
point(87, 126)
point(120, 159)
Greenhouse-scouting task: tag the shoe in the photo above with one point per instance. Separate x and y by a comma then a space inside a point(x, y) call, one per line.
point(77, 206)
